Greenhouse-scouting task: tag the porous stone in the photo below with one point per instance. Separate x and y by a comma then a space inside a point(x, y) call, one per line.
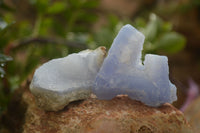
point(60, 81)
point(119, 115)
point(123, 72)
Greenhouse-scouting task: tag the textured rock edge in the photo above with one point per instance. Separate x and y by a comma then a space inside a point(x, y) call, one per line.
point(120, 114)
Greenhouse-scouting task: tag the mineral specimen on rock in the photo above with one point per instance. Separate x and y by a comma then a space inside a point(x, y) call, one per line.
point(123, 72)
point(60, 81)
point(119, 115)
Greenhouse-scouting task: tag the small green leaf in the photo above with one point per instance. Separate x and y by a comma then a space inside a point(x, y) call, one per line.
point(113, 21)
point(140, 23)
point(57, 7)
point(152, 28)
point(4, 27)
point(2, 71)
point(171, 42)
point(166, 27)
point(3, 24)
point(4, 58)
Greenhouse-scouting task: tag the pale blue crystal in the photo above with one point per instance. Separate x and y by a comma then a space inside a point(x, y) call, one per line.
point(123, 72)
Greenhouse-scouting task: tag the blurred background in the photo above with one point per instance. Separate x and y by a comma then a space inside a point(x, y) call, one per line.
point(35, 31)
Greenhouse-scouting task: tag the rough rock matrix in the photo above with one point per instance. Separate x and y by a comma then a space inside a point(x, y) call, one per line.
point(119, 115)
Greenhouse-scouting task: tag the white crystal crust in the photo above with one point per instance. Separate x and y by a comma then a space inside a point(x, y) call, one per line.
point(60, 81)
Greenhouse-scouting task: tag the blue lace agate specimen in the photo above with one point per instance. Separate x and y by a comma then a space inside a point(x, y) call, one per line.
point(123, 72)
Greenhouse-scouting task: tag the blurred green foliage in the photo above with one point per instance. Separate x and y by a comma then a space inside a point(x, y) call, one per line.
point(38, 30)
point(160, 37)
point(3, 60)
point(55, 28)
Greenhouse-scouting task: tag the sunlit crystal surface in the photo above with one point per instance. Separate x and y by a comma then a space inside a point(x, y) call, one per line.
point(123, 72)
